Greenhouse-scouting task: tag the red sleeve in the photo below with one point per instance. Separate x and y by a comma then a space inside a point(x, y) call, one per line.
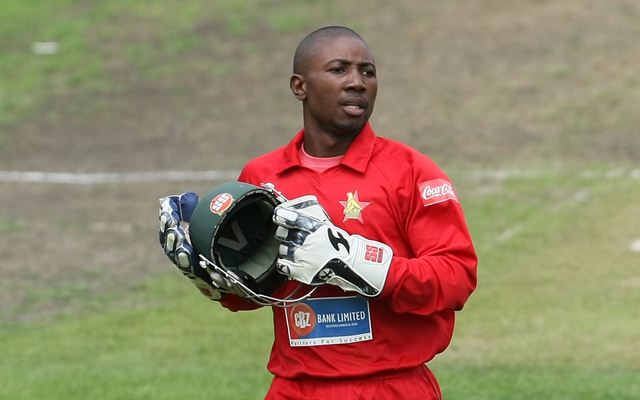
point(235, 303)
point(244, 176)
point(443, 272)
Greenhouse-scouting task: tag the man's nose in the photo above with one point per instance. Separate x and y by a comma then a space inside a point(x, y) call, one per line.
point(355, 81)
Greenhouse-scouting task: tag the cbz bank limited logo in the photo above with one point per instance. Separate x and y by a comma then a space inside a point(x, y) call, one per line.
point(303, 318)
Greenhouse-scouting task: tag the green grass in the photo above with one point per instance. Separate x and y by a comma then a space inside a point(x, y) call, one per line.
point(183, 347)
point(105, 44)
point(552, 317)
point(522, 382)
point(26, 78)
point(554, 314)
point(8, 224)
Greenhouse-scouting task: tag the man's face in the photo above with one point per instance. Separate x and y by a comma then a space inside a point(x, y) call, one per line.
point(340, 86)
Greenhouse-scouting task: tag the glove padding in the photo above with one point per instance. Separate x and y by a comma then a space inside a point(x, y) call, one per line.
point(315, 252)
point(174, 215)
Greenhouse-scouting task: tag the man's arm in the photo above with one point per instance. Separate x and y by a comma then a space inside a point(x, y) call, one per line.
point(444, 272)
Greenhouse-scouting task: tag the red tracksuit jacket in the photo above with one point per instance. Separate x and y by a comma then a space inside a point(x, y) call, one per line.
point(384, 191)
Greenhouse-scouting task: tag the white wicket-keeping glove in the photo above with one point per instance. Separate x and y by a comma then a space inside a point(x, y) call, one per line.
point(315, 252)
point(174, 215)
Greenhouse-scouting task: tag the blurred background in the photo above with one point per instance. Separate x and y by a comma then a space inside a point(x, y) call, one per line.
point(531, 106)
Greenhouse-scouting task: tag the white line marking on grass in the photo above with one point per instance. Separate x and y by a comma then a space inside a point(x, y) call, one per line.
point(83, 178)
point(635, 246)
point(507, 234)
point(619, 173)
point(504, 174)
point(74, 178)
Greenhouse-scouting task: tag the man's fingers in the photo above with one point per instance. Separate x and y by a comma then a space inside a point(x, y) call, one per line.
point(166, 221)
point(168, 214)
point(285, 267)
point(287, 251)
point(183, 259)
point(217, 279)
point(301, 202)
point(174, 239)
point(170, 242)
point(187, 203)
point(294, 219)
point(285, 217)
point(226, 284)
point(282, 233)
point(291, 236)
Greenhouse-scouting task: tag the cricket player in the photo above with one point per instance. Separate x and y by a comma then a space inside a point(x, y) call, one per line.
point(388, 237)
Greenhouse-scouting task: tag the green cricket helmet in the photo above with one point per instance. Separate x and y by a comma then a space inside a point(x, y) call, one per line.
point(232, 230)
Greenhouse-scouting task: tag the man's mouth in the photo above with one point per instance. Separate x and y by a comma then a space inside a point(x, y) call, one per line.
point(354, 108)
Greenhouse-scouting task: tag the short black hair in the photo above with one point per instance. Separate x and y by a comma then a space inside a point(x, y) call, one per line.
point(304, 49)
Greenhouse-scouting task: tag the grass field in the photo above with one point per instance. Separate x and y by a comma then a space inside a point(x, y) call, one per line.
point(89, 308)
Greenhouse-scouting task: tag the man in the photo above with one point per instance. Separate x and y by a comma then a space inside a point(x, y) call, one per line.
point(393, 249)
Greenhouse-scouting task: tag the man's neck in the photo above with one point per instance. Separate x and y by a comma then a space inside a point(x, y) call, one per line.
point(319, 143)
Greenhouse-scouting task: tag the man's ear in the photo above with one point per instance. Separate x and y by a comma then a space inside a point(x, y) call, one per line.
point(298, 87)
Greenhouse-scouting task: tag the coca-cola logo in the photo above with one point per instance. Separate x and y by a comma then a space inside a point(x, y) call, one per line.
point(430, 192)
point(436, 191)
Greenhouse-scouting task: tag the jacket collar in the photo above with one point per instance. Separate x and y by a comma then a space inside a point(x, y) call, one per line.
point(357, 156)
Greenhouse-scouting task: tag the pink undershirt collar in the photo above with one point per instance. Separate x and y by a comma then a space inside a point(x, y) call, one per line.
point(318, 164)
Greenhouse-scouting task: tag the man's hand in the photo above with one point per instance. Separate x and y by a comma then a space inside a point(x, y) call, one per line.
point(174, 215)
point(314, 251)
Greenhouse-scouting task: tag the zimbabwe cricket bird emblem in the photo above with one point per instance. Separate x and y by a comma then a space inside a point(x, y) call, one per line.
point(353, 207)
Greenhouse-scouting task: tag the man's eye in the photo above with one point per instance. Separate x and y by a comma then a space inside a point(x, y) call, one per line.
point(369, 73)
point(337, 70)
